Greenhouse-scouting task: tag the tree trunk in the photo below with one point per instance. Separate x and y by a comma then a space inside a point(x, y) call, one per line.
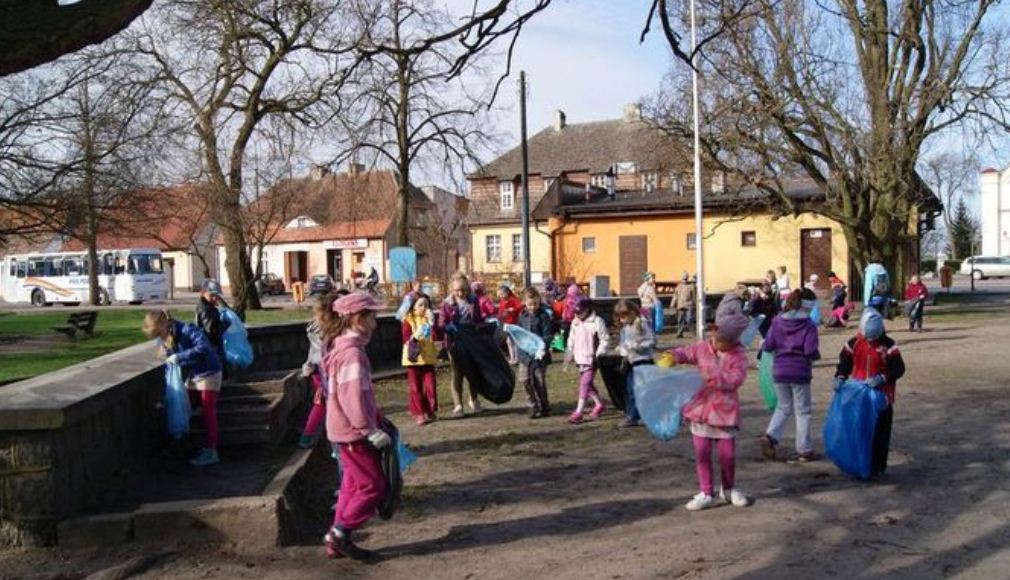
point(403, 146)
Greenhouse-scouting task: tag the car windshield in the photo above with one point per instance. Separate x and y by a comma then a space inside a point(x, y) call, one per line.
point(322, 278)
point(144, 264)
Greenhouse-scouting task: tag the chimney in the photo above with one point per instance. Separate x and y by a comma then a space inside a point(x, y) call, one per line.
point(319, 171)
point(355, 168)
point(611, 183)
point(633, 112)
point(588, 190)
point(677, 183)
point(559, 120)
point(719, 182)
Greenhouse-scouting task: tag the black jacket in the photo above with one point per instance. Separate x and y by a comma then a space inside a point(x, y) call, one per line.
point(208, 318)
point(539, 323)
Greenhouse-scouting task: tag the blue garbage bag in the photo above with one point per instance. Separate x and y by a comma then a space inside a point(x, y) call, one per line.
point(747, 338)
point(177, 409)
point(405, 456)
point(660, 395)
point(657, 317)
point(401, 312)
point(850, 425)
point(815, 314)
point(525, 340)
point(237, 350)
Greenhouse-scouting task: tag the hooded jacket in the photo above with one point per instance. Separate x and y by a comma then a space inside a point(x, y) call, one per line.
point(588, 340)
point(571, 301)
point(539, 323)
point(351, 410)
point(458, 312)
point(794, 340)
point(718, 402)
point(193, 351)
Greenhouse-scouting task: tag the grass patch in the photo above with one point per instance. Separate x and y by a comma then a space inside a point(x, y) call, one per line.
point(116, 329)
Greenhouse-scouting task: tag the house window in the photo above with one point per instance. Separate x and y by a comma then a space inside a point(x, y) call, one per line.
point(692, 241)
point(548, 182)
point(649, 181)
point(507, 192)
point(748, 239)
point(517, 247)
point(493, 248)
point(589, 245)
point(264, 262)
point(599, 180)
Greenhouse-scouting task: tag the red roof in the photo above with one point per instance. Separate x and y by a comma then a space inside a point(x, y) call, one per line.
point(990, 170)
point(338, 231)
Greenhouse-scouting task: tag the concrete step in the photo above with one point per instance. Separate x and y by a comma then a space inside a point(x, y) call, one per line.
point(234, 436)
point(247, 400)
point(257, 388)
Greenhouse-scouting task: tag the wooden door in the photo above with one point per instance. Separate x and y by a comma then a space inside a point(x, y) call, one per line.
point(815, 257)
point(634, 261)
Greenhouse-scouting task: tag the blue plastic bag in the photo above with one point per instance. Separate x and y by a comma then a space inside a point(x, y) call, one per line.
point(657, 317)
point(747, 338)
point(850, 426)
point(237, 350)
point(660, 395)
point(401, 312)
point(404, 455)
point(525, 340)
point(815, 313)
point(177, 409)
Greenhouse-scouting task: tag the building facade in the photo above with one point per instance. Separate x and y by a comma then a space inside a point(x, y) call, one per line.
point(994, 190)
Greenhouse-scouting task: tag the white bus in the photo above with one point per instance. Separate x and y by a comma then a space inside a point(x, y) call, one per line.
point(132, 275)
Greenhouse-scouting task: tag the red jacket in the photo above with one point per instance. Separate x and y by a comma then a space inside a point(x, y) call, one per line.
point(916, 291)
point(509, 309)
point(862, 359)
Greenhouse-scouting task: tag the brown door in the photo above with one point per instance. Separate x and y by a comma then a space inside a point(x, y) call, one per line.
point(634, 260)
point(296, 266)
point(815, 257)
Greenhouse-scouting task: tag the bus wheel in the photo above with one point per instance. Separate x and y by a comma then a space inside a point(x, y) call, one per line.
point(38, 298)
point(136, 302)
point(103, 297)
point(71, 304)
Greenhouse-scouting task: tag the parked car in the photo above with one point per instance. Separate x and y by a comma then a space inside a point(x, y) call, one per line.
point(982, 267)
point(270, 284)
point(320, 284)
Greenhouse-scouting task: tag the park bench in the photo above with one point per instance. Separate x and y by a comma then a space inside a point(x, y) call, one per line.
point(79, 323)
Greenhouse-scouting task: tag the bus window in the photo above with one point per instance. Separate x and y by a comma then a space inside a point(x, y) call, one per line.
point(120, 267)
point(72, 267)
point(52, 267)
point(35, 267)
point(13, 268)
point(145, 264)
point(22, 269)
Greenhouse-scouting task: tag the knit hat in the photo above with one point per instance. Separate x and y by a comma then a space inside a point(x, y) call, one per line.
point(871, 324)
point(477, 288)
point(355, 302)
point(212, 286)
point(583, 304)
point(730, 319)
point(648, 275)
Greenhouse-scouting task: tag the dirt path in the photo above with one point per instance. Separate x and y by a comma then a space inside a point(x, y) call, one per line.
point(503, 497)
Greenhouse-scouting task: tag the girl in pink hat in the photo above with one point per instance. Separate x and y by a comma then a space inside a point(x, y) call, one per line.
point(352, 421)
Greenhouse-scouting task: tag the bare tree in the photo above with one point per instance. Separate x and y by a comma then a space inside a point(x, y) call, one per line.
point(952, 177)
point(845, 94)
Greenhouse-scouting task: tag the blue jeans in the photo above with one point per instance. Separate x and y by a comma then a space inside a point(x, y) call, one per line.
point(630, 408)
point(793, 398)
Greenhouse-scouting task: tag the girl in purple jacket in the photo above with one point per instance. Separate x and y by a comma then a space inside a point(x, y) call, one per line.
point(793, 339)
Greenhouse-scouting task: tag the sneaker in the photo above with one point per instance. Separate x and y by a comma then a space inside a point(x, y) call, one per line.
point(597, 411)
point(768, 444)
point(205, 457)
point(457, 411)
point(803, 457)
point(421, 421)
point(305, 441)
point(475, 407)
point(338, 544)
point(535, 413)
point(575, 418)
point(736, 497)
point(546, 411)
point(629, 422)
point(699, 502)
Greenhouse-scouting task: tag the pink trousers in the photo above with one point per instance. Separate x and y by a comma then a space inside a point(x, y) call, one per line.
point(725, 450)
point(422, 398)
point(207, 400)
point(362, 487)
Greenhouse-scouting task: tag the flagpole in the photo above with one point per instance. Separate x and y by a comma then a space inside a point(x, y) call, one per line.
point(698, 237)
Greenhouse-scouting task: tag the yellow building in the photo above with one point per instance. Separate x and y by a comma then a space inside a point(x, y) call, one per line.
point(497, 249)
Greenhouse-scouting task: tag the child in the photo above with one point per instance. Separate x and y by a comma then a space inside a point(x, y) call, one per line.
point(508, 309)
point(587, 341)
point(352, 422)
point(793, 338)
point(487, 304)
point(187, 346)
point(647, 294)
point(916, 294)
point(783, 284)
point(714, 413)
point(840, 316)
point(636, 345)
point(408, 299)
point(208, 317)
point(683, 301)
point(568, 311)
point(419, 325)
point(763, 303)
point(458, 309)
point(536, 318)
point(872, 356)
point(313, 371)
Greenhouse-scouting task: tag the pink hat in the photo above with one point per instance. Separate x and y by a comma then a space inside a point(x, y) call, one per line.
point(355, 302)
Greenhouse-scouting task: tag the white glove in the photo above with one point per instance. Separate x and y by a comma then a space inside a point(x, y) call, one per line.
point(540, 354)
point(379, 439)
point(173, 359)
point(308, 369)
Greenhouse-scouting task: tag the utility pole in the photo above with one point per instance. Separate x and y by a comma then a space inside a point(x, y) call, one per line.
point(698, 237)
point(525, 181)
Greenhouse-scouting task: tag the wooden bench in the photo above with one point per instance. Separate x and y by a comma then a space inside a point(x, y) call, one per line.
point(79, 323)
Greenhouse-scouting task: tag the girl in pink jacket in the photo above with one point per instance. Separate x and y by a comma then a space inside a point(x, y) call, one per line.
point(352, 422)
point(714, 412)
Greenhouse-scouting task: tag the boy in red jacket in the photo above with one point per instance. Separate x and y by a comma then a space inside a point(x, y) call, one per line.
point(872, 356)
point(915, 296)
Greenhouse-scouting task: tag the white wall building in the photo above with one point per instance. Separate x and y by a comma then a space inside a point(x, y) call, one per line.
point(994, 191)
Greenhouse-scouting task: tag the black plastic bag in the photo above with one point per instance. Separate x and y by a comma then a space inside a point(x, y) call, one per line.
point(391, 469)
point(476, 352)
point(413, 350)
point(614, 370)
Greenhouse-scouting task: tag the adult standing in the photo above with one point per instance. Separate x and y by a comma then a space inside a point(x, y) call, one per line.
point(684, 297)
point(460, 308)
point(648, 297)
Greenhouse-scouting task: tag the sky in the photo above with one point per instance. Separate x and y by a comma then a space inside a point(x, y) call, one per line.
point(582, 57)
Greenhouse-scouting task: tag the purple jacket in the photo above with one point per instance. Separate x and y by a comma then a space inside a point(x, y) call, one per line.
point(793, 339)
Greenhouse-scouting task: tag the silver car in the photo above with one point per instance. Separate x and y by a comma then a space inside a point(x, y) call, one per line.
point(982, 267)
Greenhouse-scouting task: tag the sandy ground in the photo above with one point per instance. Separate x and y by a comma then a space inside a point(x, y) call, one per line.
point(500, 496)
